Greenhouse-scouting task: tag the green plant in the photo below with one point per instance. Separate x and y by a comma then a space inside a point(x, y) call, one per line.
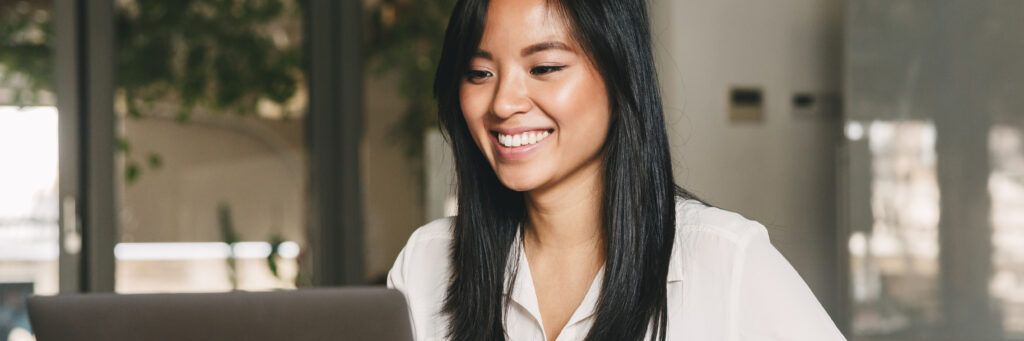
point(275, 250)
point(223, 55)
point(220, 56)
point(26, 57)
point(230, 236)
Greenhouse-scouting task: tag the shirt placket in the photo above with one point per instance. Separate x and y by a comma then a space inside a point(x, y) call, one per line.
point(525, 295)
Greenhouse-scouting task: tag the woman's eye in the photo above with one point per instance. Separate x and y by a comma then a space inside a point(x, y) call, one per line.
point(543, 70)
point(477, 75)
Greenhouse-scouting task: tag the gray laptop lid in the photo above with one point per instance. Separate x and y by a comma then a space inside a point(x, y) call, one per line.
point(307, 314)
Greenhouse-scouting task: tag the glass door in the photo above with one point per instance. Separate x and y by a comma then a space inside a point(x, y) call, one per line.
point(211, 166)
point(29, 204)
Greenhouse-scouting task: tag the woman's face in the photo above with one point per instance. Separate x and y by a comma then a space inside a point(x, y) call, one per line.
point(534, 104)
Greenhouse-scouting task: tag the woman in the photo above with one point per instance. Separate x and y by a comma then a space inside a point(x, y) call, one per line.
point(569, 225)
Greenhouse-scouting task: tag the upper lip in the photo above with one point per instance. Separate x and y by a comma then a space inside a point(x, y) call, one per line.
point(517, 130)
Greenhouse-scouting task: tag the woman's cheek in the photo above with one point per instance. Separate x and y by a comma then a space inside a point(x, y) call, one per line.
point(474, 101)
point(474, 108)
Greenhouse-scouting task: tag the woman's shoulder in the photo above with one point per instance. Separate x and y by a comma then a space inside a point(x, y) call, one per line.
point(437, 231)
point(708, 237)
point(731, 263)
point(422, 267)
point(703, 234)
point(428, 246)
point(695, 218)
point(421, 272)
point(694, 221)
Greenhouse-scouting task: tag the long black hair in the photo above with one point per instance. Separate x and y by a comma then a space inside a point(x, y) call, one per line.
point(638, 204)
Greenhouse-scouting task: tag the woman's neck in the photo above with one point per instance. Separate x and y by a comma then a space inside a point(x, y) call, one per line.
point(567, 216)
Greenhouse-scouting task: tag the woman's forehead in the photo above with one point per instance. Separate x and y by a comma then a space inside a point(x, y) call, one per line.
point(513, 24)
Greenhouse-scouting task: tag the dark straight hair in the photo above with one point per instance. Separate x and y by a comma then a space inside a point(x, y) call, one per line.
point(638, 204)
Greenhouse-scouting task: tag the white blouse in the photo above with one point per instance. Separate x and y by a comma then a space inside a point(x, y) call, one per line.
point(726, 282)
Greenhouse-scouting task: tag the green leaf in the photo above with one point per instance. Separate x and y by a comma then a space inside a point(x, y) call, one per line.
point(227, 226)
point(131, 172)
point(275, 247)
point(155, 160)
point(123, 145)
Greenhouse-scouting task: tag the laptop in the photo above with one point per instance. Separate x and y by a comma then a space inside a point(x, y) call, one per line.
point(300, 315)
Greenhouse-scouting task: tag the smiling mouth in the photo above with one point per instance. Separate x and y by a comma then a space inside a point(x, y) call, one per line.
point(523, 139)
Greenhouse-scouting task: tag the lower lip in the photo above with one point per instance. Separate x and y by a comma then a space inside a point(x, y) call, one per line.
point(521, 152)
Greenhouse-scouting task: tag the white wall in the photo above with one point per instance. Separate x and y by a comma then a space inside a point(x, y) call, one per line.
point(256, 166)
point(779, 171)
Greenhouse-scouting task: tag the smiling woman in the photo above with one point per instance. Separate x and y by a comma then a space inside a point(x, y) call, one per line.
point(569, 224)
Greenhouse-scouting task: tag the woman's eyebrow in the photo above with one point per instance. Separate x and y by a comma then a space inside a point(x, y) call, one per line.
point(483, 54)
point(547, 45)
point(538, 47)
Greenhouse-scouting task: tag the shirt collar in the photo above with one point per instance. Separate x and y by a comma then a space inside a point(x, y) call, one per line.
point(683, 208)
point(523, 292)
point(525, 295)
point(675, 263)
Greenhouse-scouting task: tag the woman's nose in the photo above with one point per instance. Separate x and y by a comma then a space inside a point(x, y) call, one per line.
point(511, 97)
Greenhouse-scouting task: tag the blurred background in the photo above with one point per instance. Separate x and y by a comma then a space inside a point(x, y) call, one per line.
point(218, 145)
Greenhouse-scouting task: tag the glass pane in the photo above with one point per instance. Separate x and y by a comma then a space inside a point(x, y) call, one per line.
point(937, 253)
point(211, 102)
point(894, 263)
point(28, 155)
point(1006, 186)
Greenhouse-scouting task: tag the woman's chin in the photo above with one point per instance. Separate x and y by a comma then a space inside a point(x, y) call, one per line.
point(520, 182)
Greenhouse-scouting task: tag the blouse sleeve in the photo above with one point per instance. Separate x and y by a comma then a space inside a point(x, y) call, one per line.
point(421, 273)
point(396, 280)
point(774, 302)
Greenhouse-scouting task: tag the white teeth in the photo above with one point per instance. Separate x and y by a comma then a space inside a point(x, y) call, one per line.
point(522, 139)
